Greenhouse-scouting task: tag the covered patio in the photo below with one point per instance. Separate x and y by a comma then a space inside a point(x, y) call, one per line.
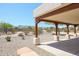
point(59, 13)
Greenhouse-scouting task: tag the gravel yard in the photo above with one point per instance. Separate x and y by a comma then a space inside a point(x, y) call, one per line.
point(10, 48)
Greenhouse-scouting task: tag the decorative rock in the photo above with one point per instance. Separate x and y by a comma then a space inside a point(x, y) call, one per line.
point(25, 51)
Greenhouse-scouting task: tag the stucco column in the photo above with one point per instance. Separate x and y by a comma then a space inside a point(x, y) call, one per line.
point(36, 39)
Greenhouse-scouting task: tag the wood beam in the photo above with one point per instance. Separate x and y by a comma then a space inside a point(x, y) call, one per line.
point(53, 21)
point(56, 25)
point(68, 31)
point(36, 27)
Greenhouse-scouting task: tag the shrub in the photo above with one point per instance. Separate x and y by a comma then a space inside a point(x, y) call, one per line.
point(25, 33)
point(8, 38)
point(21, 35)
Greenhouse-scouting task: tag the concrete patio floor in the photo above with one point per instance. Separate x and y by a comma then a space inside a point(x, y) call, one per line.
point(63, 48)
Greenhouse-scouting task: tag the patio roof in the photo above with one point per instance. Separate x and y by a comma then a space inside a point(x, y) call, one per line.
point(58, 12)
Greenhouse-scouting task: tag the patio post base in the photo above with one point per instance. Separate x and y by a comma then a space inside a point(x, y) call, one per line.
point(67, 36)
point(75, 35)
point(56, 37)
point(36, 41)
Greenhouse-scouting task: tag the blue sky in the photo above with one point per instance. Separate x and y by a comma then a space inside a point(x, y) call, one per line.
point(19, 14)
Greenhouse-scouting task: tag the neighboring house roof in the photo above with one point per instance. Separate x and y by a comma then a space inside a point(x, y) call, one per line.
point(58, 12)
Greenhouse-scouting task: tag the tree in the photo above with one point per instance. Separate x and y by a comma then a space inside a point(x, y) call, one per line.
point(6, 26)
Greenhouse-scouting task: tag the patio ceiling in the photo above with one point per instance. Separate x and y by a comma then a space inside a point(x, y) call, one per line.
point(59, 12)
point(71, 17)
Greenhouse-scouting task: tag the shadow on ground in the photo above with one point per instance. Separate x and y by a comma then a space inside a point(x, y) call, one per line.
point(70, 46)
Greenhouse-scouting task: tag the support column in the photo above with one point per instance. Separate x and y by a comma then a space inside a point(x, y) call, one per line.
point(75, 30)
point(36, 39)
point(57, 35)
point(36, 29)
point(68, 32)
